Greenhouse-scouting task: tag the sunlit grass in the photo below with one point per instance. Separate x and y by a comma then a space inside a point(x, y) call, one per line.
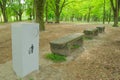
point(55, 57)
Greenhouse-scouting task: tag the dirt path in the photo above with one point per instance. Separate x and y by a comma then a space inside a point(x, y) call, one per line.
point(99, 61)
point(5, 43)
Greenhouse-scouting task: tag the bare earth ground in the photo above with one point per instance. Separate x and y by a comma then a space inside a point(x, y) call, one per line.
point(99, 61)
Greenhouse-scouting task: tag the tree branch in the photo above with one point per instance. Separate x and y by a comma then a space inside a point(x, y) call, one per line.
point(63, 4)
point(112, 5)
point(119, 4)
point(52, 5)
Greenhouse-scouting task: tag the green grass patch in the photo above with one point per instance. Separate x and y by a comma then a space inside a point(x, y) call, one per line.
point(88, 38)
point(75, 46)
point(88, 32)
point(31, 79)
point(55, 57)
point(20, 79)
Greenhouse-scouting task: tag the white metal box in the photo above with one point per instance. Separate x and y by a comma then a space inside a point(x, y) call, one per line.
point(25, 48)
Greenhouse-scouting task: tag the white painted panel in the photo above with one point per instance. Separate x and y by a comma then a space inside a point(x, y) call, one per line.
point(25, 48)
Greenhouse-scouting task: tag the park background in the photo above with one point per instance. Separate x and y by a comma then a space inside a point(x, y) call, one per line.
point(57, 18)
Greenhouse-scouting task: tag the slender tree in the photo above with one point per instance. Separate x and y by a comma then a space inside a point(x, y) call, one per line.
point(20, 11)
point(29, 10)
point(119, 4)
point(104, 12)
point(3, 4)
point(46, 11)
point(115, 9)
point(89, 12)
point(57, 6)
point(58, 10)
point(40, 13)
point(33, 12)
point(109, 15)
point(18, 8)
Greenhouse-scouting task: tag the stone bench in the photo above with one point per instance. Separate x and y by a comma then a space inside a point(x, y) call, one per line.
point(91, 32)
point(101, 29)
point(67, 44)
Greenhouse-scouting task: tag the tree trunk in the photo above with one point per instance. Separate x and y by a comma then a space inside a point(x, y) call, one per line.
point(57, 12)
point(88, 18)
point(3, 9)
point(20, 12)
point(0, 19)
point(46, 13)
point(4, 16)
point(57, 18)
point(72, 17)
point(84, 18)
point(119, 4)
point(109, 16)
point(16, 17)
point(57, 6)
point(40, 13)
point(115, 19)
point(30, 16)
point(20, 17)
point(115, 12)
point(104, 13)
point(33, 13)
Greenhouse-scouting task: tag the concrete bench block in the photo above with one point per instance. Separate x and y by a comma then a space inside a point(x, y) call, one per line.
point(67, 44)
point(91, 32)
point(101, 29)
